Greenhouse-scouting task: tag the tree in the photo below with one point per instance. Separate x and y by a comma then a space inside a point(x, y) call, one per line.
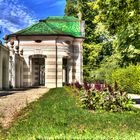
point(91, 47)
point(112, 33)
point(120, 25)
point(71, 8)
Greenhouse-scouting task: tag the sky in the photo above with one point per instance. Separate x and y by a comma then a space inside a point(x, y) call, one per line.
point(18, 14)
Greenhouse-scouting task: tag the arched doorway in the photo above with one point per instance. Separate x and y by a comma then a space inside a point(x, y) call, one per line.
point(37, 69)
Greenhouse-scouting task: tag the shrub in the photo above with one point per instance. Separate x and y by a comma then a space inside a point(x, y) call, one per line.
point(106, 100)
point(127, 78)
point(87, 86)
point(78, 85)
point(98, 86)
point(101, 97)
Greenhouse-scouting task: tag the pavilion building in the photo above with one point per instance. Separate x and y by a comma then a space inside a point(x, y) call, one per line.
point(47, 53)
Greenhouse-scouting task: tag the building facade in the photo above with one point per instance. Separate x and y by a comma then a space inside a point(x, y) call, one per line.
point(4, 67)
point(48, 53)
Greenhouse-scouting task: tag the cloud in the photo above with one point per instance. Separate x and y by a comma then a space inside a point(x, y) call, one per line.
point(14, 15)
point(49, 3)
point(38, 2)
point(6, 25)
point(56, 4)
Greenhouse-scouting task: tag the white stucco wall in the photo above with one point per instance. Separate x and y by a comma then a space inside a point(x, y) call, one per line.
point(4, 67)
point(67, 47)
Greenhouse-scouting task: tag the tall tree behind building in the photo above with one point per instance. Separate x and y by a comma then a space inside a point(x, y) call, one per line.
point(112, 32)
point(121, 22)
point(91, 47)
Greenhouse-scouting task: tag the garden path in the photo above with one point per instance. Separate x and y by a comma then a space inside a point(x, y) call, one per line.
point(11, 102)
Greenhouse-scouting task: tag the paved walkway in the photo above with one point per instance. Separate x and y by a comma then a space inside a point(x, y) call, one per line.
point(11, 102)
point(136, 98)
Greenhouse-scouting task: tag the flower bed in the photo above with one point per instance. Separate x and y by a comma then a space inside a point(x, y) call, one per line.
point(102, 97)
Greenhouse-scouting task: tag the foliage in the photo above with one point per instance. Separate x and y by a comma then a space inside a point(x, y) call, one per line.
point(92, 44)
point(100, 97)
point(71, 8)
point(56, 116)
point(127, 78)
point(112, 31)
point(107, 66)
point(106, 100)
point(78, 85)
point(118, 22)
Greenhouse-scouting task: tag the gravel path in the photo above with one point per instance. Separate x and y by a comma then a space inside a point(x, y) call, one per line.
point(11, 104)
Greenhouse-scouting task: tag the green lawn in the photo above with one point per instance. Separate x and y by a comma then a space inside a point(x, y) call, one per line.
point(56, 116)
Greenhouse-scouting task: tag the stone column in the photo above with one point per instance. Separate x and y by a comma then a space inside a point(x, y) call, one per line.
point(21, 74)
point(14, 71)
point(67, 70)
point(21, 68)
point(26, 72)
point(50, 71)
point(77, 62)
point(70, 69)
point(31, 71)
point(10, 71)
point(11, 52)
point(7, 70)
point(17, 67)
point(59, 71)
point(45, 72)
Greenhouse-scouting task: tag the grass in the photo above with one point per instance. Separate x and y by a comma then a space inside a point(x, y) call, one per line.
point(56, 116)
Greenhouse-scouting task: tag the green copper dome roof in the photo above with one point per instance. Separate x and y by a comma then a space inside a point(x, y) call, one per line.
point(64, 25)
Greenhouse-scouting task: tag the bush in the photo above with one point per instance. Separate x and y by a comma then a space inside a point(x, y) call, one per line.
point(127, 78)
point(101, 97)
point(106, 100)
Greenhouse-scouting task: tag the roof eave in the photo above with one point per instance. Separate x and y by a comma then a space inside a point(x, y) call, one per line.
point(16, 35)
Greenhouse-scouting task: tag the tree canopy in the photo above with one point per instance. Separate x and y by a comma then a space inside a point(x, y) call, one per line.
point(112, 32)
